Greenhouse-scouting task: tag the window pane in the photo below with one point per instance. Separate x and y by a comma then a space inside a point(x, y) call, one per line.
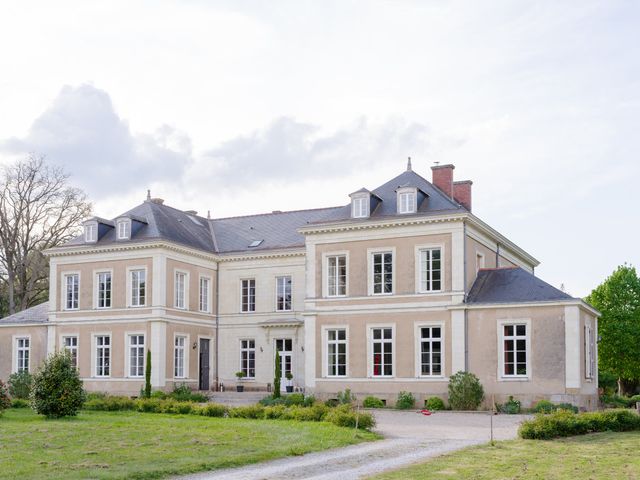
point(521, 330)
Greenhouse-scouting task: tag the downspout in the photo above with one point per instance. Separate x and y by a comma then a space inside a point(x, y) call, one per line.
point(497, 255)
point(217, 343)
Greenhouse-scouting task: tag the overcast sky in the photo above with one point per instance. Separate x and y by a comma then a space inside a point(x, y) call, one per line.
point(248, 107)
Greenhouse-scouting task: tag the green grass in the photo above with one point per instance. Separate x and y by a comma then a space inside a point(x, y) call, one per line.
point(596, 456)
point(107, 445)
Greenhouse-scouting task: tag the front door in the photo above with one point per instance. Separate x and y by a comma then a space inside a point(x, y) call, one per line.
point(284, 347)
point(204, 364)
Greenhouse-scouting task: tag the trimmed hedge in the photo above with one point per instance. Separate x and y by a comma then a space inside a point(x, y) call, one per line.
point(434, 404)
point(545, 406)
point(564, 423)
point(372, 402)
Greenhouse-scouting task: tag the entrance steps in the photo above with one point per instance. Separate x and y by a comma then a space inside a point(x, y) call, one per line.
point(235, 399)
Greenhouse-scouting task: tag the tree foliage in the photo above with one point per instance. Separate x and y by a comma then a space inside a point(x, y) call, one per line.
point(57, 389)
point(465, 391)
point(38, 210)
point(147, 376)
point(618, 299)
point(276, 377)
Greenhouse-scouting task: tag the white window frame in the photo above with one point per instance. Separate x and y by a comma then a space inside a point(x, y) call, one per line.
point(64, 290)
point(248, 350)
point(360, 206)
point(325, 265)
point(255, 295)
point(123, 229)
point(589, 353)
point(204, 308)
point(325, 349)
point(278, 278)
point(185, 354)
point(91, 232)
point(501, 354)
point(71, 349)
point(405, 208)
point(94, 354)
point(16, 352)
point(418, 266)
point(130, 296)
point(96, 293)
point(418, 349)
point(185, 290)
point(480, 261)
point(127, 355)
point(370, 254)
point(370, 341)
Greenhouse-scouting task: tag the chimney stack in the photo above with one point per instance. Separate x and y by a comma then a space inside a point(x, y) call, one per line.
point(457, 191)
point(462, 193)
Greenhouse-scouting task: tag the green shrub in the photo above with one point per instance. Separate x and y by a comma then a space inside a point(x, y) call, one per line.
point(249, 411)
point(434, 404)
point(608, 382)
point(213, 410)
point(158, 394)
point(5, 401)
point(309, 400)
point(149, 405)
point(332, 402)
point(110, 403)
point(57, 389)
point(19, 403)
point(564, 423)
point(346, 397)
point(147, 376)
point(567, 406)
point(95, 395)
point(372, 402)
point(275, 412)
point(615, 401)
point(344, 416)
point(294, 399)
point(20, 385)
point(544, 406)
point(405, 401)
point(633, 400)
point(271, 400)
point(510, 407)
point(173, 406)
point(465, 391)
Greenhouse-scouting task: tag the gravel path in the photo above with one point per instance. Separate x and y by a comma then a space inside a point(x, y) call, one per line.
point(409, 437)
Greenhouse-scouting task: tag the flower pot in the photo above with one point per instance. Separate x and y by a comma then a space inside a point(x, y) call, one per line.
point(289, 388)
point(240, 388)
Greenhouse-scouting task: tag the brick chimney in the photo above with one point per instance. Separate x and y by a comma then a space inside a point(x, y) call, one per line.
point(443, 178)
point(462, 193)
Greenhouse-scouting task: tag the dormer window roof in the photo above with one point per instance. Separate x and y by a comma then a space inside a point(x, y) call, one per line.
point(363, 203)
point(123, 229)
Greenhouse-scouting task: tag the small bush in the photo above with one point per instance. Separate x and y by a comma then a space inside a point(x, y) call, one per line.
point(182, 393)
point(434, 404)
point(20, 385)
point(616, 401)
point(372, 402)
point(306, 414)
point(405, 401)
point(213, 410)
point(271, 400)
point(275, 412)
point(173, 406)
point(57, 389)
point(344, 416)
point(332, 402)
point(158, 394)
point(564, 423)
point(309, 400)
point(5, 401)
point(346, 397)
point(149, 405)
point(110, 404)
point(19, 403)
point(510, 407)
point(96, 395)
point(250, 411)
point(544, 406)
point(294, 399)
point(567, 406)
point(465, 391)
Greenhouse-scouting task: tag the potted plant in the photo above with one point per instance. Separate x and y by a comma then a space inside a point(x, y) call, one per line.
point(240, 375)
point(289, 382)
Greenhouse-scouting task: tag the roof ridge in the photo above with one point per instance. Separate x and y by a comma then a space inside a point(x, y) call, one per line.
point(162, 205)
point(276, 212)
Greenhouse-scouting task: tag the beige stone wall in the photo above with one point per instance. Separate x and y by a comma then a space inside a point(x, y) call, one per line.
point(194, 333)
point(194, 272)
point(474, 248)
point(38, 347)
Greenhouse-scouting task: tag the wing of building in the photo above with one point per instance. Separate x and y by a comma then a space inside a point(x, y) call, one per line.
point(394, 291)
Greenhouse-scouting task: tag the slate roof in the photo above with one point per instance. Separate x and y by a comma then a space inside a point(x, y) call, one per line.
point(37, 314)
point(512, 285)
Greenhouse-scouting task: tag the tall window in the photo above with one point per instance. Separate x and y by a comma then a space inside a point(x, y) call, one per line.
point(22, 351)
point(382, 273)
point(136, 355)
point(124, 229)
point(248, 358)
point(72, 284)
point(103, 355)
point(430, 270)
point(407, 202)
point(138, 288)
point(249, 295)
point(360, 207)
point(337, 352)
point(179, 293)
point(90, 232)
point(204, 294)
point(589, 353)
point(104, 290)
point(430, 351)
point(178, 357)
point(515, 350)
point(479, 261)
point(283, 293)
point(71, 345)
point(336, 275)
point(382, 349)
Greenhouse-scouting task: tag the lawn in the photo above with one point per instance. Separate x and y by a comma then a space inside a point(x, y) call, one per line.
point(596, 456)
point(107, 445)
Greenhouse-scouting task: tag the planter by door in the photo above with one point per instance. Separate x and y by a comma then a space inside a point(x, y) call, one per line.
point(203, 384)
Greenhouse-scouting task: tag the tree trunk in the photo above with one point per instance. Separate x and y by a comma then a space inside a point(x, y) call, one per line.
point(11, 285)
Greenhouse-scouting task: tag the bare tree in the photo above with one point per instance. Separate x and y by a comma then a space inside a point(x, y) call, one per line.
point(38, 210)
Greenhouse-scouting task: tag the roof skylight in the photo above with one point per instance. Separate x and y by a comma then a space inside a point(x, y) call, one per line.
point(255, 243)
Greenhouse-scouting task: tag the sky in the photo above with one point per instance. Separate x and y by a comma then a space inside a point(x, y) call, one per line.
point(248, 107)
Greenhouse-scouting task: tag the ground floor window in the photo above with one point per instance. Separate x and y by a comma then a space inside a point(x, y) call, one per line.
point(514, 345)
point(178, 356)
point(248, 358)
point(103, 355)
point(71, 345)
point(136, 355)
point(337, 352)
point(382, 350)
point(589, 353)
point(431, 351)
point(23, 350)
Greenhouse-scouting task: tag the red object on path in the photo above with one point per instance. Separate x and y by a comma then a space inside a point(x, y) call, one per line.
point(425, 412)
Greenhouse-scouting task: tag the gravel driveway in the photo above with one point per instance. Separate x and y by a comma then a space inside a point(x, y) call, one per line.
point(409, 437)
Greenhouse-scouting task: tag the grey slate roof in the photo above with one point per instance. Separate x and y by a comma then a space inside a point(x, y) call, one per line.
point(512, 285)
point(37, 314)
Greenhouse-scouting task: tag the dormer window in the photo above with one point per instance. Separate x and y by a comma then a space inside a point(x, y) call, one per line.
point(360, 206)
point(91, 233)
point(407, 200)
point(124, 229)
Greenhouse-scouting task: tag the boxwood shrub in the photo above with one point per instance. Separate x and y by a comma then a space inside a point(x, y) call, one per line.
point(405, 401)
point(434, 404)
point(564, 423)
point(372, 402)
point(57, 389)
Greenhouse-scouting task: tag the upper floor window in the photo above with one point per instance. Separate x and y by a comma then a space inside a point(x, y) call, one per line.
point(283, 293)
point(430, 269)
point(205, 285)
point(104, 290)
point(138, 287)
point(22, 354)
point(124, 229)
point(103, 355)
point(180, 290)
point(70, 344)
point(248, 287)
point(431, 351)
point(337, 352)
point(382, 272)
point(72, 285)
point(136, 355)
point(407, 201)
point(360, 206)
point(382, 351)
point(336, 275)
point(90, 232)
point(514, 350)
